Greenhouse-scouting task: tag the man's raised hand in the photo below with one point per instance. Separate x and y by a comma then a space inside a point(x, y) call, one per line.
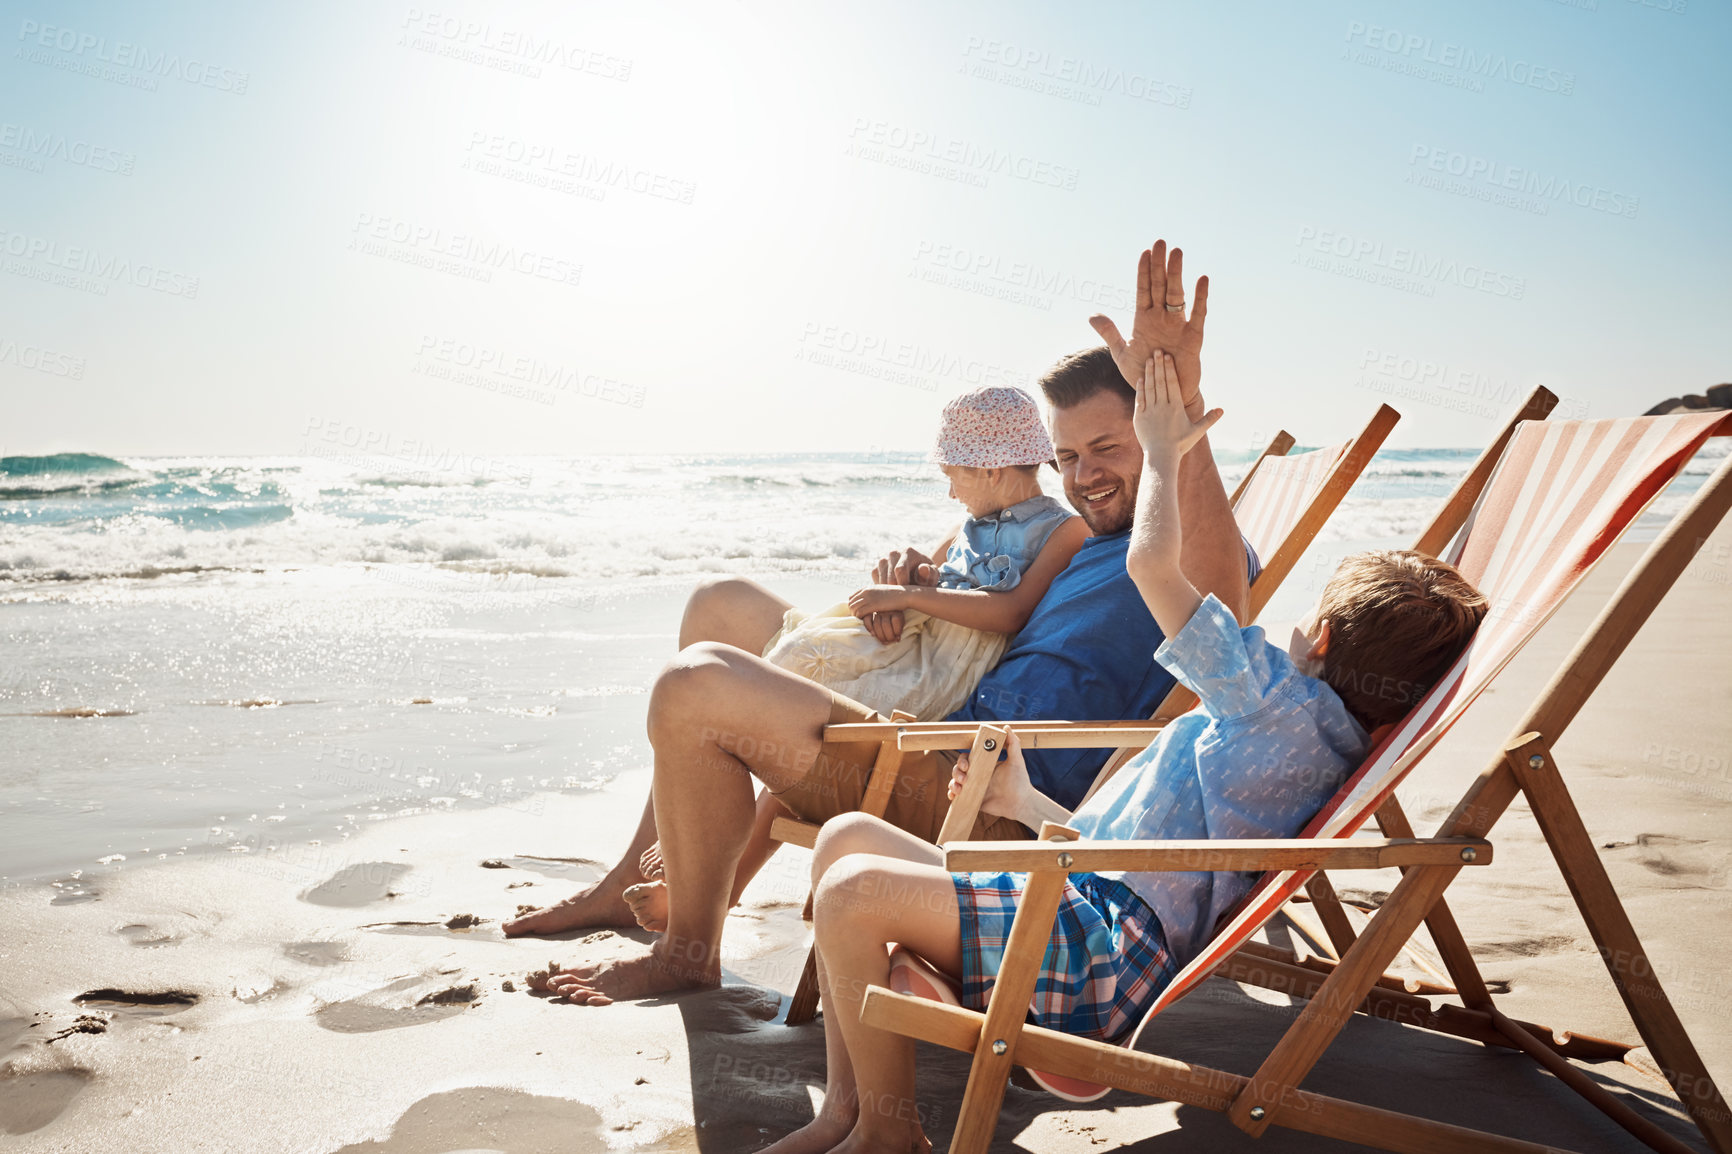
point(1161, 323)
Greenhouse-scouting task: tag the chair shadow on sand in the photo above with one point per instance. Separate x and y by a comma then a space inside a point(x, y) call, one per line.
point(755, 1079)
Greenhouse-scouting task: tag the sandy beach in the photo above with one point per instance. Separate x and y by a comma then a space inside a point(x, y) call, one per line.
point(338, 999)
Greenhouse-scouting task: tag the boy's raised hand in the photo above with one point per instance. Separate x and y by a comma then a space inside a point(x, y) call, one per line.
point(1010, 784)
point(1159, 417)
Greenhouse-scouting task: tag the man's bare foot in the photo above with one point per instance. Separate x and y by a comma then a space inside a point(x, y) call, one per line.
point(649, 905)
point(623, 979)
point(599, 905)
point(650, 864)
point(819, 1136)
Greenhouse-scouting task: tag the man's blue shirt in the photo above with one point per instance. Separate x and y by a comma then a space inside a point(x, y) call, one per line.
point(1086, 654)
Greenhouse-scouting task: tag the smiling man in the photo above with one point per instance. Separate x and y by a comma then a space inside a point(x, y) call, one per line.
point(720, 715)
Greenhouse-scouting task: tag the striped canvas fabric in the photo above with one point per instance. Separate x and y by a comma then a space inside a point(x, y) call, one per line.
point(1562, 494)
point(1279, 493)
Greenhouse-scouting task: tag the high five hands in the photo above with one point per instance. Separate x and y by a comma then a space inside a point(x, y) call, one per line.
point(1160, 324)
point(1159, 418)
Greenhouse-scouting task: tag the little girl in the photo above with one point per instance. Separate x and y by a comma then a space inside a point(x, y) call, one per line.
point(997, 566)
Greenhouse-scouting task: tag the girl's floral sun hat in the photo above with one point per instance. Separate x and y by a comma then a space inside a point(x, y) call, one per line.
point(992, 428)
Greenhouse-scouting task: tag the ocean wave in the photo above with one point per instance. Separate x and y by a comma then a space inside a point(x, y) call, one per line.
point(56, 474)
point(58, 463)
point(545, 526)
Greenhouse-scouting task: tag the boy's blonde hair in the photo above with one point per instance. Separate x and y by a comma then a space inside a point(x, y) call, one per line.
point(1397, 622)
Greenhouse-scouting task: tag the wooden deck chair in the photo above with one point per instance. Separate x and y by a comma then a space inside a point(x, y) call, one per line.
point(1281, 504)
point(1561, 496)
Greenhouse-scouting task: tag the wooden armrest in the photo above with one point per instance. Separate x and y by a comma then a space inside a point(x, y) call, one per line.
point(1251, 854)
point(794, 831)
point(1033, 734)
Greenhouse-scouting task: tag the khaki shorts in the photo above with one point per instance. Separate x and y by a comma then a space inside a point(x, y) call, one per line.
point(836, 784)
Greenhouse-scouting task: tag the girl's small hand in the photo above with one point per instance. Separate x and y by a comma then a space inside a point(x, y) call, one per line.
point(1159, 417)
point(878, 599)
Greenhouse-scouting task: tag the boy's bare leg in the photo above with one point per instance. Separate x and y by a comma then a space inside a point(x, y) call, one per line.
point(731, 611)
point(718, 717)
point(842, 836)
point(864, 903)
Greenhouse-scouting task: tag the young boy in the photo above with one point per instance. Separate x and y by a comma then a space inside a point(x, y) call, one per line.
point(1276, 734)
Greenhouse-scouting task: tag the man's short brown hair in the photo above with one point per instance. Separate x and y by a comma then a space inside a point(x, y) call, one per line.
point(1397, 622)
point(1081, 375)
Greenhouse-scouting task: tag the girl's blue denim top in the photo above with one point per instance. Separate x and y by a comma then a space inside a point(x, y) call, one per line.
point(992, 552)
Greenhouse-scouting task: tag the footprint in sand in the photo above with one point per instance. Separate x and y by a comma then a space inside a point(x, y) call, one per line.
point(358, 885)
point(72, 891)
point(489, 1118)
point(412, 1001)
point(148, 937)
point(316, 953)
point(29, 1101)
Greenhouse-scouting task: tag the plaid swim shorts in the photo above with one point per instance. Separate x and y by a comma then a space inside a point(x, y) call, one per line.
point(1105, 963)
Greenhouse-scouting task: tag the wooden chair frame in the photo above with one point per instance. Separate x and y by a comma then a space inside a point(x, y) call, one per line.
point(902, 735)
point(1525, 765)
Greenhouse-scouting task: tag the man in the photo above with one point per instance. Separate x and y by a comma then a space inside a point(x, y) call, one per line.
point(720, 715)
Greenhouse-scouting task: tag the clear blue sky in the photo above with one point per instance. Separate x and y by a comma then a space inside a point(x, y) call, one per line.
point(766, 226)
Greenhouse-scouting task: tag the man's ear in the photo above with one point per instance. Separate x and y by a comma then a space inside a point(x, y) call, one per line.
point(1320, 647)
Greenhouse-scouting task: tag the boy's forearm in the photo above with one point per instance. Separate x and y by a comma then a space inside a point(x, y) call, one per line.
point(1157, 535)
point(1212, 555)
point(1037, 807)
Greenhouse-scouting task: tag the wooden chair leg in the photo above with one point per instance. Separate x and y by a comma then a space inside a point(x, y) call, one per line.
point(1633, 974)
point(1445, 933)
point(1328, 908)
point(1341, 993)
point(804, 1005)
point(1007, 1009)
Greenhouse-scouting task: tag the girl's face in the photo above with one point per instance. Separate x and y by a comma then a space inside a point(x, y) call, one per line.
point(974, 488)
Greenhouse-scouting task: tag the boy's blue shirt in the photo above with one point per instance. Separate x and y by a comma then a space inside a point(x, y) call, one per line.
point(1089, 650)
point(1265, 750)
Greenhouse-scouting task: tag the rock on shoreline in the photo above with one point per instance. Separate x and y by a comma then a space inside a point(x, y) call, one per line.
point(1717, 397)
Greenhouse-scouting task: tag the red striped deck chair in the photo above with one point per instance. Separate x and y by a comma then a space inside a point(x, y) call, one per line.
point(1286, 499)
point(1562, 494)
